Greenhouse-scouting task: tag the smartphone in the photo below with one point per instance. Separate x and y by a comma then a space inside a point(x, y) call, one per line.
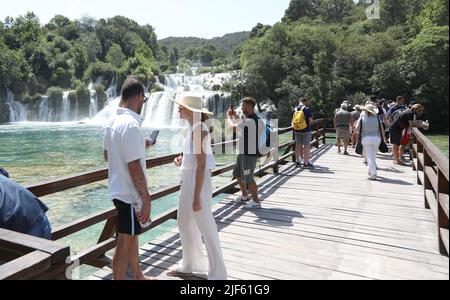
point(154, 136)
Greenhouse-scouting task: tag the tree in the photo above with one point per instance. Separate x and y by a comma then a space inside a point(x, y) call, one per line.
point(80, 60)
point(301, 8)
point(115, 56)
point(333, 11)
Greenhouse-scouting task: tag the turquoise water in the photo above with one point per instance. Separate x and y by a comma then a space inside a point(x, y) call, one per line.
point(36, 152)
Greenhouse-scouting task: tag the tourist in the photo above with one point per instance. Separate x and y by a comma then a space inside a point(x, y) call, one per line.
point(372, 134)
point(248, 130)
point(124, 149)
point(400, 126)
point(195, 218)
point(21, 211)
point(303, 134)
point(342, 123)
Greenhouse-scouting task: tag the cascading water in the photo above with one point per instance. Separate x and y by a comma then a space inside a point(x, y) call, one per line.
point(17, 111)
point(161, 112)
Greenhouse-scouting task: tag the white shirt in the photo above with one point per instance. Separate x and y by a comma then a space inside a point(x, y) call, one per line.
point(124, 142)
point(191, 149)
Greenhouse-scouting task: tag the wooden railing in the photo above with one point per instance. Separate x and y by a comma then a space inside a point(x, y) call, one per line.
point(432, 173)
point(95, 255)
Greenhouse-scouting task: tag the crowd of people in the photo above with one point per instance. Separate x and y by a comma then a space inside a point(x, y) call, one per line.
point(363, 127)
point(376, 124)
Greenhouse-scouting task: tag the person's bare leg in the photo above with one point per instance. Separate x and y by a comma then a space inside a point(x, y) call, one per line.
point(345, 144)
point(121, 256)
point(307, 153)
point(395, 153)
point(338, 144)
point(300, 153)
point(243, 187)
point(401, 152)
point(253, 187)
point(133, 259)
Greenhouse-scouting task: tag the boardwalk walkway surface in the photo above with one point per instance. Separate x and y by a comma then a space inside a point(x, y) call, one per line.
point(327, 223)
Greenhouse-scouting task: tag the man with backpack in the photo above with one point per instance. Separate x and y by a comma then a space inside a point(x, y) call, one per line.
point(301, 124)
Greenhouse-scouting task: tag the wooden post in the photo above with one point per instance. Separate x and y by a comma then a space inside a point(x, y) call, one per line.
point(420, 167)
point(427, 162)
point(294, 159)
point(442, 216)
point(109, 230)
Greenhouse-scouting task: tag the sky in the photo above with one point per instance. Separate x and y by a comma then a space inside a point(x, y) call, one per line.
point(199, 18)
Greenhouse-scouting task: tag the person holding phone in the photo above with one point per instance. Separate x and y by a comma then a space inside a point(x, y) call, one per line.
point(124, 150)
point(195, 218)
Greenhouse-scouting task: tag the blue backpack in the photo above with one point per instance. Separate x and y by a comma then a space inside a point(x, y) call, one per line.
point(264, 139)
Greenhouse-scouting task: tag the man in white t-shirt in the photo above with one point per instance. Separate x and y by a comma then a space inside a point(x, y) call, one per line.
point(124, 149)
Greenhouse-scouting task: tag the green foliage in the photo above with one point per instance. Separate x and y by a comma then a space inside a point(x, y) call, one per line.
point(115, 57)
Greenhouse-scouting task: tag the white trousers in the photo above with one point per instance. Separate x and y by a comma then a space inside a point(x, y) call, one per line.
point(371, 144)
point(195, 225)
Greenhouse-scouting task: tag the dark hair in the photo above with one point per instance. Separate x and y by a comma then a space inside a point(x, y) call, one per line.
point(400, 98)
point(132, 87)
point(250, 100)
point(303, 100)
point(373, 98)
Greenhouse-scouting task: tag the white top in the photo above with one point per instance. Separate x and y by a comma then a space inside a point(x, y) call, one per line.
point(125, 143)
point(191, 149)
point(370, 125)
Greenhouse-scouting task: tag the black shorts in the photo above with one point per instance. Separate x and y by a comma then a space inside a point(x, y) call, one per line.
point(396, 136)
point(127, 222)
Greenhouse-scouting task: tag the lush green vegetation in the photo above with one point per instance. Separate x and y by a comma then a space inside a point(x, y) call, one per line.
point(326, 50)
point(67, 53)
point(329, 51)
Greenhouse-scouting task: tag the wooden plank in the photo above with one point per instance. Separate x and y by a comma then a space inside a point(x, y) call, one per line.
point(83, 223)
point(444, 237)
point(26, 267)
point(432, 177)
point(431, 199)
point(421, 176)
point(86, 256)
point(443, 201)
point(27, 243)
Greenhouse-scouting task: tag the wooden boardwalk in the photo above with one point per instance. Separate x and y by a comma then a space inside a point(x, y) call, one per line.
point(327, 223)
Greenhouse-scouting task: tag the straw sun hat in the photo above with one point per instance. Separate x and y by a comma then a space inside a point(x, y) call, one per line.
point(370, 109)
point(193, 103)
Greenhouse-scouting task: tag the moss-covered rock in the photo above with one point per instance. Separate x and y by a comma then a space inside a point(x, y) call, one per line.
point(55, 98)
point(102, 97)
point(84, 100)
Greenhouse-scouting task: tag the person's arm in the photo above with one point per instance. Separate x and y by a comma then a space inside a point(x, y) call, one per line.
point(140, 184)
point(334, 121)
point(199, 174)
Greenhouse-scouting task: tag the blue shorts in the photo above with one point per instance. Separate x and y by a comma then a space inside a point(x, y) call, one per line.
point(42, 229)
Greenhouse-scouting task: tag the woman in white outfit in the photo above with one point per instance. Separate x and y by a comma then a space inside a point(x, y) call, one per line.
point(195, 219)
point(372, 133)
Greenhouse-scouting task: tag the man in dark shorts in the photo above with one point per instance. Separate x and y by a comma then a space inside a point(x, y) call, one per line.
point(407, 119)
point(249, 129)
point(124, 149)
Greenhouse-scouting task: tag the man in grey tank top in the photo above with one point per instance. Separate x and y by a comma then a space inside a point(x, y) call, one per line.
point(342, 124)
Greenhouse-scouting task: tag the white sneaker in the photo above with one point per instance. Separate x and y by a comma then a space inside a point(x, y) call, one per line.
point(253, 205)
point(373, 177)
point(241, 199)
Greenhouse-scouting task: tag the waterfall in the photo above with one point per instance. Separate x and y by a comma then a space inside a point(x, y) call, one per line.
point(93, 107)
point(17, 111)
point(112, 89)
point(44, 110)
point(161, 112)
point(65, 109)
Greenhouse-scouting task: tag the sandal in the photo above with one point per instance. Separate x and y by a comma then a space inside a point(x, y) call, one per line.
point(176, 273)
